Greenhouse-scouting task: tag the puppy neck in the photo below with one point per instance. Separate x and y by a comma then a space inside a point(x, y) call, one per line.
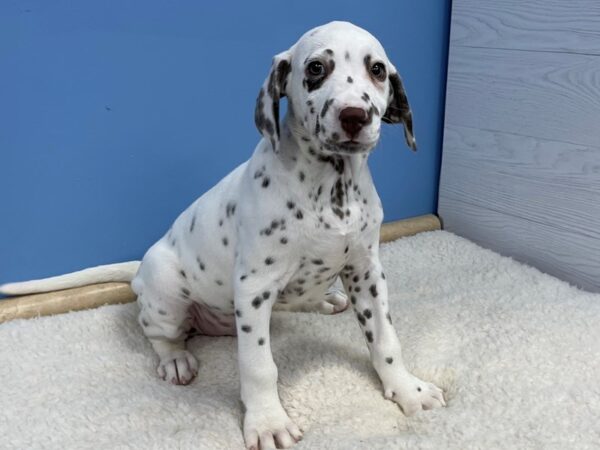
point(328, 184)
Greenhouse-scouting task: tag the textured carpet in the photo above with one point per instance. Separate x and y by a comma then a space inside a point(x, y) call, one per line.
point(517, 351)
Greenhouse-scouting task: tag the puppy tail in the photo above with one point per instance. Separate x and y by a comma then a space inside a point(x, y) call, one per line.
point(101, 274)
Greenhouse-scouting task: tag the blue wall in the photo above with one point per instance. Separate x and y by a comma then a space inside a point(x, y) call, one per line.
point(114, 116)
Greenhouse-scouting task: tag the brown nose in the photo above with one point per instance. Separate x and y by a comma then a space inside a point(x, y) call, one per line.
point(353, 119)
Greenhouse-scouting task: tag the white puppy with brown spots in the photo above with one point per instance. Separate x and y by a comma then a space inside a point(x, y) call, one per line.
point(280, 229)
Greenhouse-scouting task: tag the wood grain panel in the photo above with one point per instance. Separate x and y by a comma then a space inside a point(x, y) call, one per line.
point(535, 179)
point(556, 252)
point(545, 95)
point(571, 26)
point(521, 158)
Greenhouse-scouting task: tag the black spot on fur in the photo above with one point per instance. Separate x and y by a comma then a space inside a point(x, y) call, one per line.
point(193, 224)
point(301, 176)
point(389, 318)
point(230, 209)
point(299, 215)
point(182, 273)
point(238, 313)
point(369, 336)
point(290, 204)
point(266, 295)
point(361, 318)
point(246, 328)
point(185, 291)
point(225, 241)
point(257, 302)
point(353, 299)
point(317, 262)
point(389, 360)
point(373, 289)
point(326, 106)
point(367, 313)
point(350, 80)
point(266, 182)
point(367, 275)
point(283, 240)
point(269, 261)
point(261, 341)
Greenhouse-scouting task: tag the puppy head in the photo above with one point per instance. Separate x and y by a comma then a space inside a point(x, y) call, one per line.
point(340, 87)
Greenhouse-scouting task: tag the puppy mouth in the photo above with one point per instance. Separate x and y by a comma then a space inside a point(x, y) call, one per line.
point(349, 146)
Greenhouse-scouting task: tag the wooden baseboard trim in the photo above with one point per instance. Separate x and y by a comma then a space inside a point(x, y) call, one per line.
point(95, 295)
point(390, 231)
point(59, 302)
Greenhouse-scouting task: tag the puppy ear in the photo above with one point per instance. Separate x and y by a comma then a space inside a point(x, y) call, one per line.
point(398, 109)
point(266, 113)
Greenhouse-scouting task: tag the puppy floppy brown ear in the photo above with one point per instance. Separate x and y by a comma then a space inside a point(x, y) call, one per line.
point(398, 110)
point(266, 113)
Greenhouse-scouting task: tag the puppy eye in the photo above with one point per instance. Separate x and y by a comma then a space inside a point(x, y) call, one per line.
point(316, 69)
point(378, 71)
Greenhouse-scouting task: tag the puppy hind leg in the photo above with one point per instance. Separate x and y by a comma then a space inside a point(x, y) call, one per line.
point(166, 325)
point(333, 301)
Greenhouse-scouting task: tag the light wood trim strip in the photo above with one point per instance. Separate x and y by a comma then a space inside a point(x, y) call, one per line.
point(58, 302)
point(391, 231)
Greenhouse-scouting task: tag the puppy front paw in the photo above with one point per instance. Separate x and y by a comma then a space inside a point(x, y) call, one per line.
point(413, 394)
point(265, 427)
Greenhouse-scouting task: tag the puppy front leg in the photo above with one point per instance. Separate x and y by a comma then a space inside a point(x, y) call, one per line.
point(265, 420)
point(365, 283)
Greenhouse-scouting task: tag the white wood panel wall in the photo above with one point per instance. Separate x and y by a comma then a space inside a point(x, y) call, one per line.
point(521, 158)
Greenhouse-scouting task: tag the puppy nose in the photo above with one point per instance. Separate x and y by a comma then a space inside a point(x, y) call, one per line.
point(353, 119)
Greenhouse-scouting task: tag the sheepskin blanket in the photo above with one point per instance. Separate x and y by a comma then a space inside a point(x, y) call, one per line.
point(516, 351)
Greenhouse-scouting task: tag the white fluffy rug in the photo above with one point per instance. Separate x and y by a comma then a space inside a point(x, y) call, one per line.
point(518, 353)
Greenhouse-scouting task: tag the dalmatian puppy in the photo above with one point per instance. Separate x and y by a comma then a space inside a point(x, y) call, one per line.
point(279, 230)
